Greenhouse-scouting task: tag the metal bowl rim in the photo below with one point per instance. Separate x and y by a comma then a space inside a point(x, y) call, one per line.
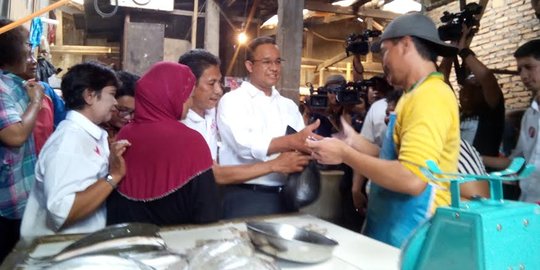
point(333, 244)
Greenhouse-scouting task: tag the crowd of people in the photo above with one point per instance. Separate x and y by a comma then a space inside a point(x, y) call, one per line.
point(170, 147)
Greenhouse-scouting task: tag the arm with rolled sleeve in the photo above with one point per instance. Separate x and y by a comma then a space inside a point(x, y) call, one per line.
point(65, 175)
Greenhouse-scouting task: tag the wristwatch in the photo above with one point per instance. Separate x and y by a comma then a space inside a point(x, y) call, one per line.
point(463, 53)
point(109, 179)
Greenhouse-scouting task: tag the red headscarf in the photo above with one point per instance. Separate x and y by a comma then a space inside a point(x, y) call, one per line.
point(164, 154)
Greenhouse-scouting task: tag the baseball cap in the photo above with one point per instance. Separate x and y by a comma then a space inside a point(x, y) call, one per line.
point(416, 25)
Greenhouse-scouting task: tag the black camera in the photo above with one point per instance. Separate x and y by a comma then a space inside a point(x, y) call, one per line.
point(451, 30)
point(318, 98)
point(359, 43)
point(354, 92)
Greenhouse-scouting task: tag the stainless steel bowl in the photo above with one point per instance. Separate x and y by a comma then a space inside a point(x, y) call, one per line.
point(290, 243)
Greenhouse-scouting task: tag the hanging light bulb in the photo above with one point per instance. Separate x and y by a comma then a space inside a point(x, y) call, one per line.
point(242, 38)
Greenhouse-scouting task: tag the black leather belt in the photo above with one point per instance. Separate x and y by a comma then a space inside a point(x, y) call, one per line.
point(262, 188)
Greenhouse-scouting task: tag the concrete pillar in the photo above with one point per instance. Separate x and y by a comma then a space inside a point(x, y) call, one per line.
point(289, 40)
point(211, 27)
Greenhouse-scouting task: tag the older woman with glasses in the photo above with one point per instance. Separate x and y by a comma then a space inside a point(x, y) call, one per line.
point(123, 111)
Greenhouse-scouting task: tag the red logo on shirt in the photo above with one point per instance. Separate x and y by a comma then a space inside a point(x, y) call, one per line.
point(97, 151)
point(532, 132)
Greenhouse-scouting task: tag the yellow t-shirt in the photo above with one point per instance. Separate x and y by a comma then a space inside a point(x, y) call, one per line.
point(427, 128)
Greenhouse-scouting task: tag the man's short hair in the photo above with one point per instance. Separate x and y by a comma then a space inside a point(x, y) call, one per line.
point(426, 49)
point(198, 60)
point(90, 75)
point(530, 48)
point(252, 46)
point(335, 80)
point(12, 43)
point(127, 84)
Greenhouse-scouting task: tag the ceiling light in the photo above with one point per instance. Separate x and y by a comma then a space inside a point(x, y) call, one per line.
point(402, 6)
point(344, 3)
point(242, 38)
point(360, 19)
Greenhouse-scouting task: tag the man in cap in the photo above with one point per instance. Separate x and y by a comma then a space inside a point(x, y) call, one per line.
point(425, 126)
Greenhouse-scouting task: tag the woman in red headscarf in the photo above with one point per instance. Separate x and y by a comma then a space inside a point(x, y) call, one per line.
point(169, 179)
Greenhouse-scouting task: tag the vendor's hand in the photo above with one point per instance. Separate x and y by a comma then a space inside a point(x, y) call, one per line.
point(117, 164)
point(290, 162)
point(307, 132)
point(34, 90)
point(327, 150)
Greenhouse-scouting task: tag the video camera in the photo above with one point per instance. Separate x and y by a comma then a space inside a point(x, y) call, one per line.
point(359, 43)
point(318, 97)
point(451, 30)
point(350, 93)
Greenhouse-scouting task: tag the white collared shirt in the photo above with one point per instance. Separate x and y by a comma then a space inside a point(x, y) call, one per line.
point(528, 146)
point(206, 126)
point(248, 120)
point(73, 158)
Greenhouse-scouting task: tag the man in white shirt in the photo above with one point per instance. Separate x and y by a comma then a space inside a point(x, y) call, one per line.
point(201, 117)
point(253, 121)
point(528, 146)
point(76, 171)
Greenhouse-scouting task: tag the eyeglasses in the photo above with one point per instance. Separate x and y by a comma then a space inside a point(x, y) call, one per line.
point(123, 111)
point(268, 62)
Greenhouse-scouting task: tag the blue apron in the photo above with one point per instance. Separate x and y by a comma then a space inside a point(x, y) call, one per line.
point(391, 216)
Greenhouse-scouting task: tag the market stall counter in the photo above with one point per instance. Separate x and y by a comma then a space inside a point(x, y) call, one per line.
point(354, 251)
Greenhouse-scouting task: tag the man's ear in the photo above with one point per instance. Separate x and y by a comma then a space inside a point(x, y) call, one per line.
point(249, 66)
point(407, 44)
point(89, 96)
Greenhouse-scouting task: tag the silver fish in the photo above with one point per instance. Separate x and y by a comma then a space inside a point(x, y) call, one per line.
point(116, 246)
point(115, 232)
point(112, 240)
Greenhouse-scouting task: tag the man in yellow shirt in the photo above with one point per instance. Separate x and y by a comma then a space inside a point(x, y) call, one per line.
point(425, 126)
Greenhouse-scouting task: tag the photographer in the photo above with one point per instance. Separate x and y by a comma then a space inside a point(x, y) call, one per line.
point(481, 100)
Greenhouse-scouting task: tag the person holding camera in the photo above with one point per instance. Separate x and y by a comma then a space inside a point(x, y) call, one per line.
point(425, 126)
point(480, 97)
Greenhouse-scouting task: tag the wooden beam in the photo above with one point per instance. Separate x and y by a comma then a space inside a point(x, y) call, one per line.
point(194, 20)
point(337, 58)
point(368, 66)
point(377, 13)
point(334, 18)
point(326, 7)
point(289, 40)
point(85, 50)
point(377, 25)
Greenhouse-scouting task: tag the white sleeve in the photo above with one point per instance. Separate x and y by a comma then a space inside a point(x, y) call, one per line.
point(65, 174)
point(235, 121)
point(374, 126)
